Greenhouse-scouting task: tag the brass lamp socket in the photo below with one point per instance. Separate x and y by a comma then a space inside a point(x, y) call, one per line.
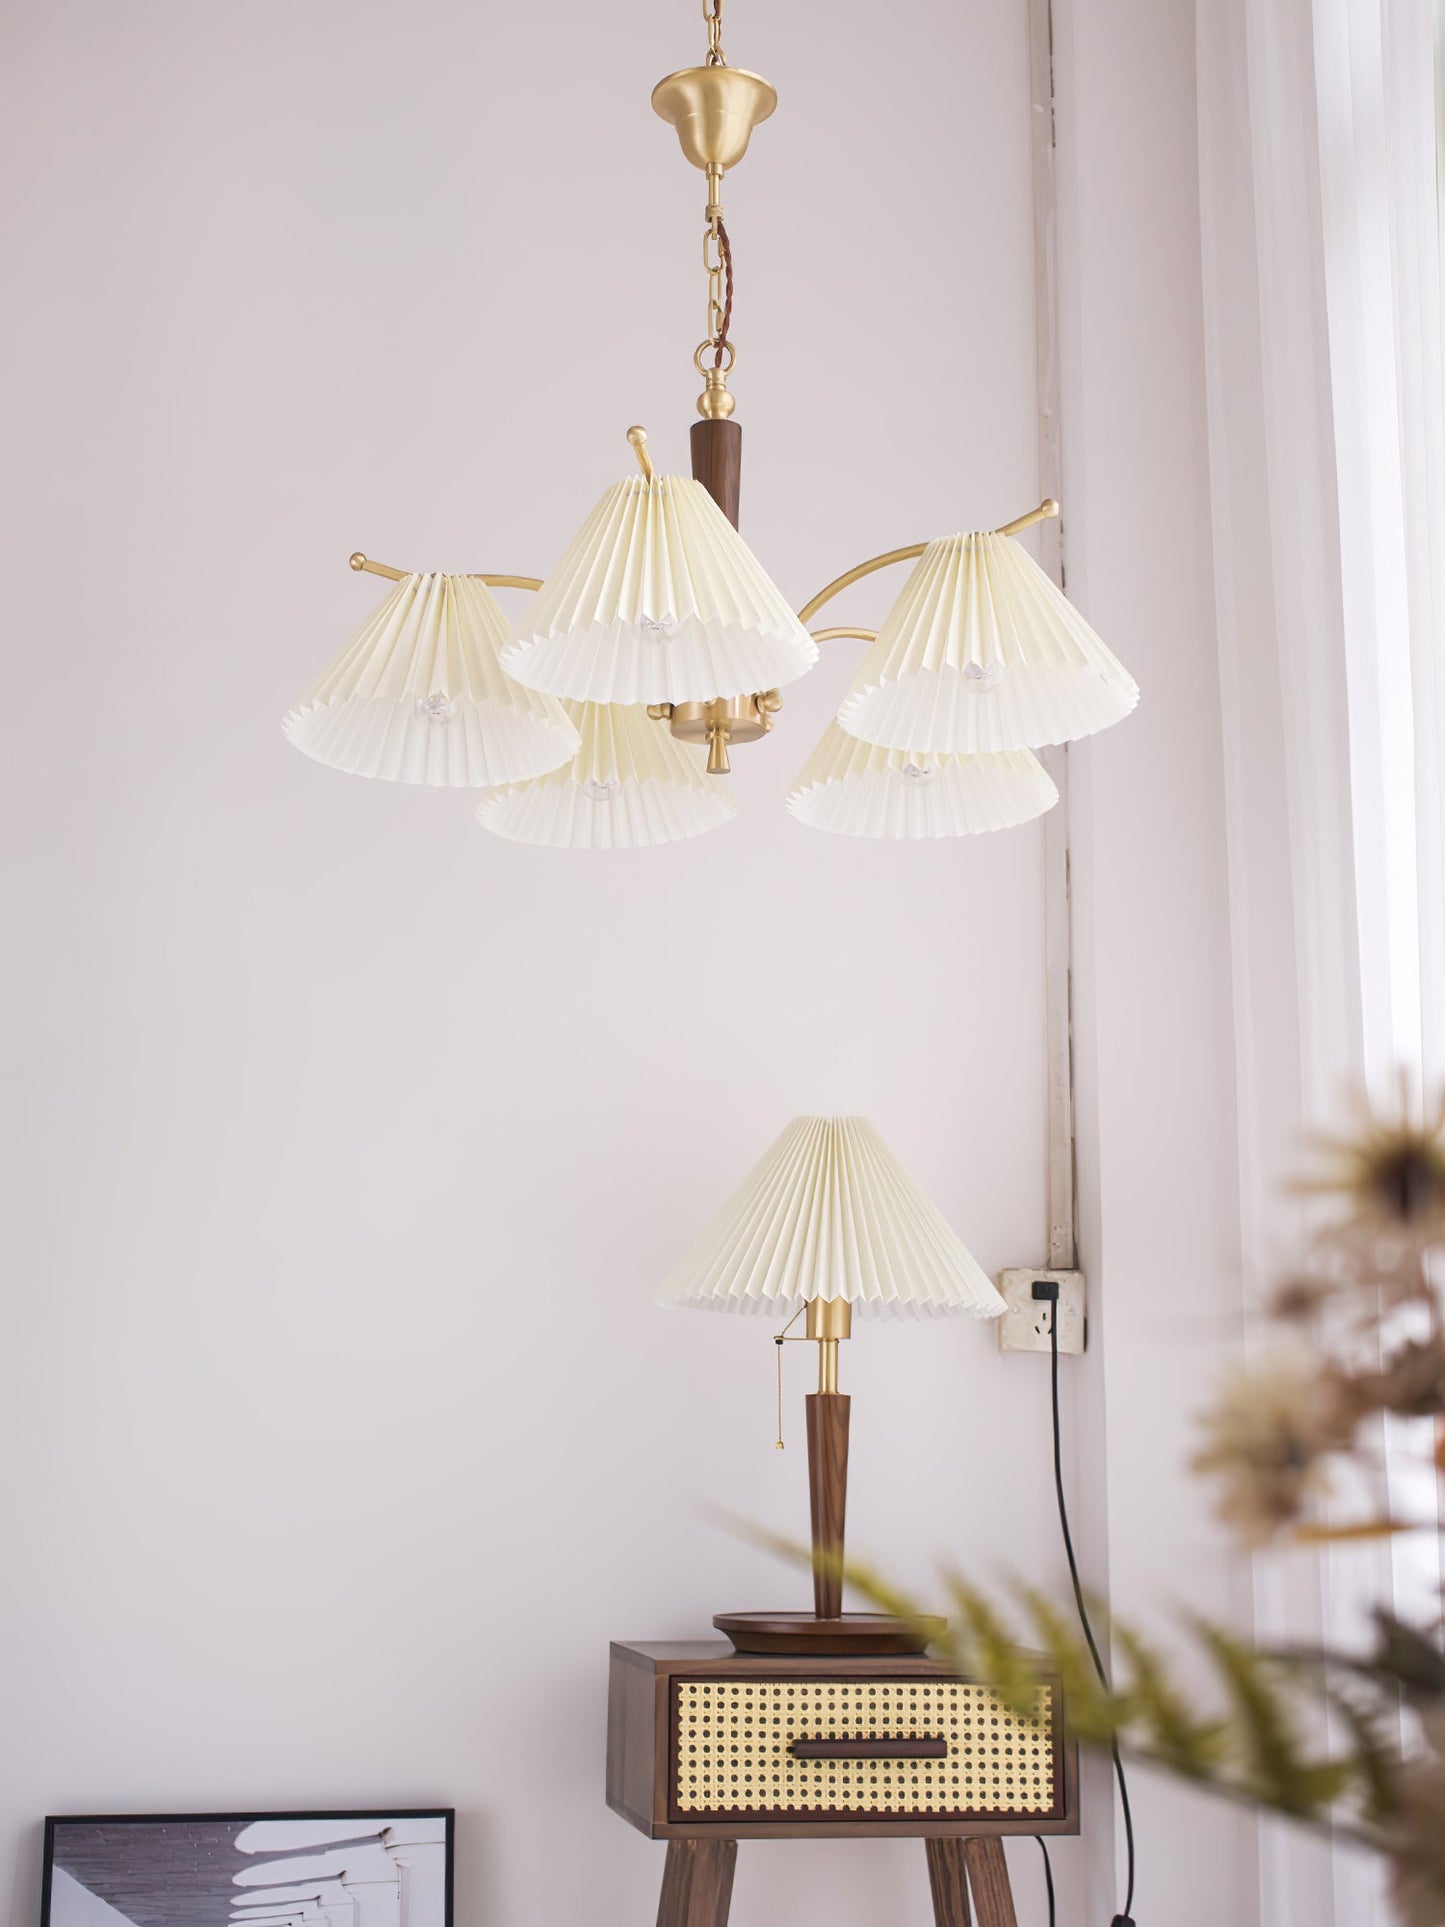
point(830, 1318)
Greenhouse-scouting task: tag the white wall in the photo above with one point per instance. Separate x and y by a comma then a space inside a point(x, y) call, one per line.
point(345, 1145)
point(1154, 1013)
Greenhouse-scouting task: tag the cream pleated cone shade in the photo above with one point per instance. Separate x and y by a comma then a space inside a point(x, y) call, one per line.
point(858, 789)
point(418, 696)
point(631, 784)
point(982, 653)
point(831, 1213)
point(657, 600)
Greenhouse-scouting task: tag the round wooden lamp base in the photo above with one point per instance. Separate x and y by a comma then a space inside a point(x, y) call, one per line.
point(856, 1633)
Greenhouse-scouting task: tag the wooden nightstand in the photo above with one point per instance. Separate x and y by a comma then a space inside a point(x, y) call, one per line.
point(706, 1747)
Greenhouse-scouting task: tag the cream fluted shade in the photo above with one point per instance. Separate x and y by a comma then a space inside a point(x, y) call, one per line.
point(631, 784)
point(858, 789)
point(831, 1213)
point(981, 652)
point(657, 600)
point(418, 696)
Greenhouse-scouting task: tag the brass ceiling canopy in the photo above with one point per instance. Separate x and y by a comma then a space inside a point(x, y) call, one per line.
point(714, 110)
point(660, 609)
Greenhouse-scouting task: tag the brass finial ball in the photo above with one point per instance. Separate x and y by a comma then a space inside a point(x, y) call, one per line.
point(637, 436)
point(358, 561)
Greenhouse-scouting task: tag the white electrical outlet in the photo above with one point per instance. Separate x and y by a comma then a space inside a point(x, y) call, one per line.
point(1024, 1327)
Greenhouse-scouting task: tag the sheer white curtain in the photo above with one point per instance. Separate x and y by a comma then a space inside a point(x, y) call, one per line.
point(1375, 63)
point(1318, 170)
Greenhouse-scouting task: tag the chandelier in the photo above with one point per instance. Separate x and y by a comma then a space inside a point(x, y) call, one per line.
point(605, 715)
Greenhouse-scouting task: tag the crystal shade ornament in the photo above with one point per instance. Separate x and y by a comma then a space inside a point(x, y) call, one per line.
point(831, 1213)
point(418, 696)
point(858, 789)
point(658, 599)
point(981, 652)
point(630, 785)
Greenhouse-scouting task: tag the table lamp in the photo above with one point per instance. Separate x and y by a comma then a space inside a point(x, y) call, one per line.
point(830, 1223)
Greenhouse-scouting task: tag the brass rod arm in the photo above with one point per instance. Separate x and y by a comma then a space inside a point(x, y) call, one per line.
point(360, 561)
point(1042, 513)
point(1045, 512)
point(850, 576)
point(835, 635)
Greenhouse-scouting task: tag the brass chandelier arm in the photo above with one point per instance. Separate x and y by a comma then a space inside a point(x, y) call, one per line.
point(360, 561)
point(638, 439)
point(850, 576)
point(1043, 513)
point(836, 635)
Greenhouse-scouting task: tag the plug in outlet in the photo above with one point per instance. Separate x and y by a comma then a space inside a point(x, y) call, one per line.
point(1024, 1327)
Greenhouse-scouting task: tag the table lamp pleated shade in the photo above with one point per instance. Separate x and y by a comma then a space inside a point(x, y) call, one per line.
point(658, 599)
point(857, 789)
point(630, 785)
point(981, 652)
point(831, 1213)
point(419, 696)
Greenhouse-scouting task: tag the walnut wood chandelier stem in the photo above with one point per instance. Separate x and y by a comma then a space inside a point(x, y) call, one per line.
point(717, 462)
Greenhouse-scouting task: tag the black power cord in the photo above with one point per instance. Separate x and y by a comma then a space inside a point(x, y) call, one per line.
point(1046, 1290)
point(1043, 1846)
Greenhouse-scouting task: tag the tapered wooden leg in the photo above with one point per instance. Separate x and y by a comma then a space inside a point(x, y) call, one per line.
point(988, 1876)
point(697, 1883)
point(947, 1878)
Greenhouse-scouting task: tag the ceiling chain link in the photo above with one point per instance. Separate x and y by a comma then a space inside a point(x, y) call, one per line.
point(712, 14)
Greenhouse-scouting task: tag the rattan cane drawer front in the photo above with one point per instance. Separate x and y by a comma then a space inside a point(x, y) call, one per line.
point(733, 1741)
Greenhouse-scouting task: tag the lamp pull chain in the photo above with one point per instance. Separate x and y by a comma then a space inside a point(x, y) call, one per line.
point(781, 1340)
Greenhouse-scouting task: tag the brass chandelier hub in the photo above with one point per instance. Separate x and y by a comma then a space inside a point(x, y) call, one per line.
point(720, 723)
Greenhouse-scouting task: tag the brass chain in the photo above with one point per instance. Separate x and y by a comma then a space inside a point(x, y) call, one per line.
point(717, 262)
point(716, 355)
point(717, 350)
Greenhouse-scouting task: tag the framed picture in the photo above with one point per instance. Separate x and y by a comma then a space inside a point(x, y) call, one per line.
point(386, 1868)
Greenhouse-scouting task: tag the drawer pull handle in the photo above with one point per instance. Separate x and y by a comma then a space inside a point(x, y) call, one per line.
point(867, 1749)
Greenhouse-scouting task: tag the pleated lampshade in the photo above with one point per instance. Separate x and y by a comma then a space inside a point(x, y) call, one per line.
point(630, 784)
point(831, 1213)
point(418, 696)
point(981, 652)
point(857, 789)
point(658, 599)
